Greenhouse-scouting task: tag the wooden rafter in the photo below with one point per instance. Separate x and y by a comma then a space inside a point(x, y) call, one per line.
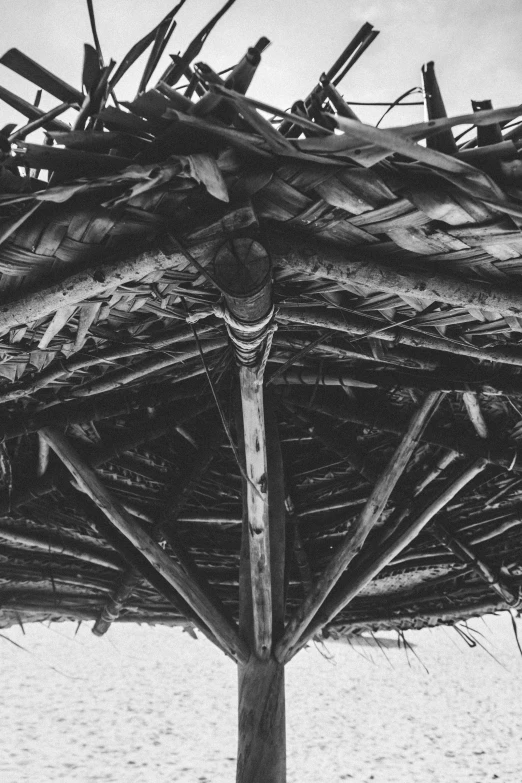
point(376, 561)
point(322, 259)
point(171, 571)
point(356, 537)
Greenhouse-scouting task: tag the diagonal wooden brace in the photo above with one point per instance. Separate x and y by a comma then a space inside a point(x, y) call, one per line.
point(157, 557)
point(357, 536)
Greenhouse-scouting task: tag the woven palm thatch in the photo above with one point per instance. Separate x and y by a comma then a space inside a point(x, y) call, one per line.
point(396, 258)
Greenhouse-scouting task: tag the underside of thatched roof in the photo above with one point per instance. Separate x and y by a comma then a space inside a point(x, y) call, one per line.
point(396, 257)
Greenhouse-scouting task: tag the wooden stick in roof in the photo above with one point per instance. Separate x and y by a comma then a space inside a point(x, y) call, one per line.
point(355, 538)
point(168, 568)
point(353, 584)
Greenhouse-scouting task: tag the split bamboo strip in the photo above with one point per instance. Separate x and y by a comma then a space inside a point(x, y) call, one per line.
point(171, 571)
point(356, 537)
point(353, 584)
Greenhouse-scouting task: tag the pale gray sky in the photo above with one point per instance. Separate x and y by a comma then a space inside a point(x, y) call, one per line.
point(476, 44)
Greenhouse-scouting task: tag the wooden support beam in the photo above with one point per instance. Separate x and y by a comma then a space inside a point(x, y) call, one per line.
point(136, 560)
point(487, 134)
point(257, 504)
point(242, 270)
point(359, 326)
point(92, 281)
point(277, 516)
point(132, 437)
point(261, 713)
point(464, 552)
point(60, 546)
point(171, 571)
point(97, 279)
point(356, 537)
point(352, 584)
point(120, 403)
point(261, 729)
point(303, 253)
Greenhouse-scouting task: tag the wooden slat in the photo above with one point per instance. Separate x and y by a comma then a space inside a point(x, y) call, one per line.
point(358, 534)
point(157, 557)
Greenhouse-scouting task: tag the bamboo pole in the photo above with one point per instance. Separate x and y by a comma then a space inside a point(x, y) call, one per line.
point(353, 584)
point(171, 571)
point(303, 253)
point(355, 539)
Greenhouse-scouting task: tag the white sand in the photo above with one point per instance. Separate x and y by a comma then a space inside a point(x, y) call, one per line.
point(154, 705)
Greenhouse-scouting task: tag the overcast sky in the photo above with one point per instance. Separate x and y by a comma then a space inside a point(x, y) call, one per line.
point(476, 45)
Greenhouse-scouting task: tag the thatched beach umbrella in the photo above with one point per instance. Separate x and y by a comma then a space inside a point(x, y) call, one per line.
point(260, 369)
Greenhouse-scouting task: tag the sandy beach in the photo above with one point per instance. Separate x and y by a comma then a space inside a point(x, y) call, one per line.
point(154, 705)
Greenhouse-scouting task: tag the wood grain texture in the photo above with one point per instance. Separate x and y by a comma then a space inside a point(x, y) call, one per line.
point(261, 722)
point(257, 504)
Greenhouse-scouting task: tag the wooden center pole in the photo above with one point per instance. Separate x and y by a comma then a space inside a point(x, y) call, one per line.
point(242, 270)
point(261, 682)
